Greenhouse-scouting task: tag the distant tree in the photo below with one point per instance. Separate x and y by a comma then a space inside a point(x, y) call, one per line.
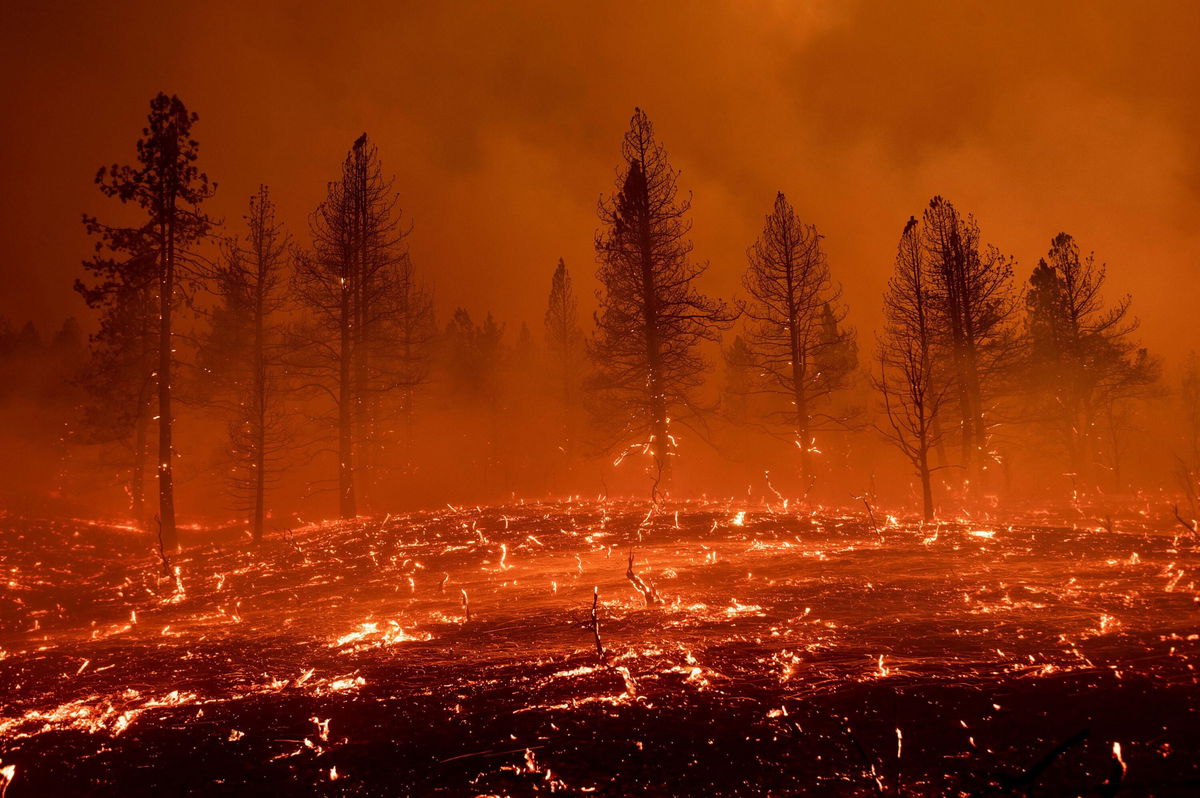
point(973, 304)
point(1188, 455)
point(353, 287)
point(141, 273)
point(243, 352)
point(651, 318)
point(741, 380)
point(411, 331)
point(795, 333)
point(912, 386)
point(118, 379)
point(476, 356)
point(1083, 358)
point(566, 347)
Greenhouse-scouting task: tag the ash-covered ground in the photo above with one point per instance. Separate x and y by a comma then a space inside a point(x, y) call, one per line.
point(792, 653)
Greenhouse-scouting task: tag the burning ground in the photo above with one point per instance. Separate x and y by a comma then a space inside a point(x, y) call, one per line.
point(789, 652)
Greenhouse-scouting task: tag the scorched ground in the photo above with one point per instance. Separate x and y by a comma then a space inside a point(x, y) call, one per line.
point(791, 653)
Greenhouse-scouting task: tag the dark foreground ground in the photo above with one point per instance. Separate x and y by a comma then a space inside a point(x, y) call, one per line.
point(793, 654)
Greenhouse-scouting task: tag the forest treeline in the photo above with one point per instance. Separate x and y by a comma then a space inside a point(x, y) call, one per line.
point(270, 367)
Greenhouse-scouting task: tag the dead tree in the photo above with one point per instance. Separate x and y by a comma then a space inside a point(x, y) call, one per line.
point(795, 333)
point(651, 318)
point(157, 256)
point(912, 388)
point(409, 334)
point(1083, 359)
point(1188, 453)
point(972, 304)
point(349, 286)
point(565, 344)
point(475, 359)
point(118, 378)
point(243, 353)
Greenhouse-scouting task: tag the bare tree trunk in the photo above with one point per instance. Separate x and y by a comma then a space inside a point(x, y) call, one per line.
point(137, 479)
point(926, 481)
point(800, 399)
point(347, 505)
point(166, 486)
point(260, 398)
point(660, 445)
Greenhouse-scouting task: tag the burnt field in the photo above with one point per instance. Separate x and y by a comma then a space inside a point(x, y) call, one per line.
point(788, 653)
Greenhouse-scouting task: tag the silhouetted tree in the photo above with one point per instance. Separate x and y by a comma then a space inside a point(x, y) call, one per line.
point(794, 330)
point(1188, 455)
point(476, 355)
point(410, 331)
point(243, 353)
point(1084, 361)
point(141, 271)
point(651, 318)
point(741, 379)
point(351, 285)
point(565, 345)
point(973, 303)
point(912, 386)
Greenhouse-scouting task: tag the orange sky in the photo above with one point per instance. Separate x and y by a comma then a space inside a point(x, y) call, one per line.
point(502, 123)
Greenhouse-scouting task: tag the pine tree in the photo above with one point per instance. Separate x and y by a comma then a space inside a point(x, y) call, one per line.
point(973, 307)
point(244, 353)
point(795, 332)
point(353, 286)
point(912, 387)
point(1083, 358)
point(565, 344)
point(149, 266)
point(651, 319)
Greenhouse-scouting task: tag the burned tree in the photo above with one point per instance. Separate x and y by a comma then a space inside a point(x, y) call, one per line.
point(652, 319)
point(565, 345)
point(475, 358)
point(243, 353)
point(1083, 359)
point(741, 379)
point(118, 379)
point(1187, 456)
point(142, 271)
point(795, 332)
point(912, 388)
point(973, 305)
point(409, 333)
point(351, 285)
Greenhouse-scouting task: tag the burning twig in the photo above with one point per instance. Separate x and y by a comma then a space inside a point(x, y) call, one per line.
point(657, 480)
point(7, 773)
point(603, 657)
point(1025, 781)
point(1116, 777)
point(442, 584)
point(466, 604)
point(647, 590)
point(877, 779)
point(162, 552)
point(1189, 526)
point(871, 516)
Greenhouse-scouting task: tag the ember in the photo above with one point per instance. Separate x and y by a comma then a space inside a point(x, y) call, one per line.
point(758, 662)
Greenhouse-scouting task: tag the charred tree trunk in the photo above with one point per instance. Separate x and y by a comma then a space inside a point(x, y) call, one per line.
point(926, 481)
point(137, 479)
point(660, 440)
point(260, 406)
point(347, 504)
point(166, 484)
